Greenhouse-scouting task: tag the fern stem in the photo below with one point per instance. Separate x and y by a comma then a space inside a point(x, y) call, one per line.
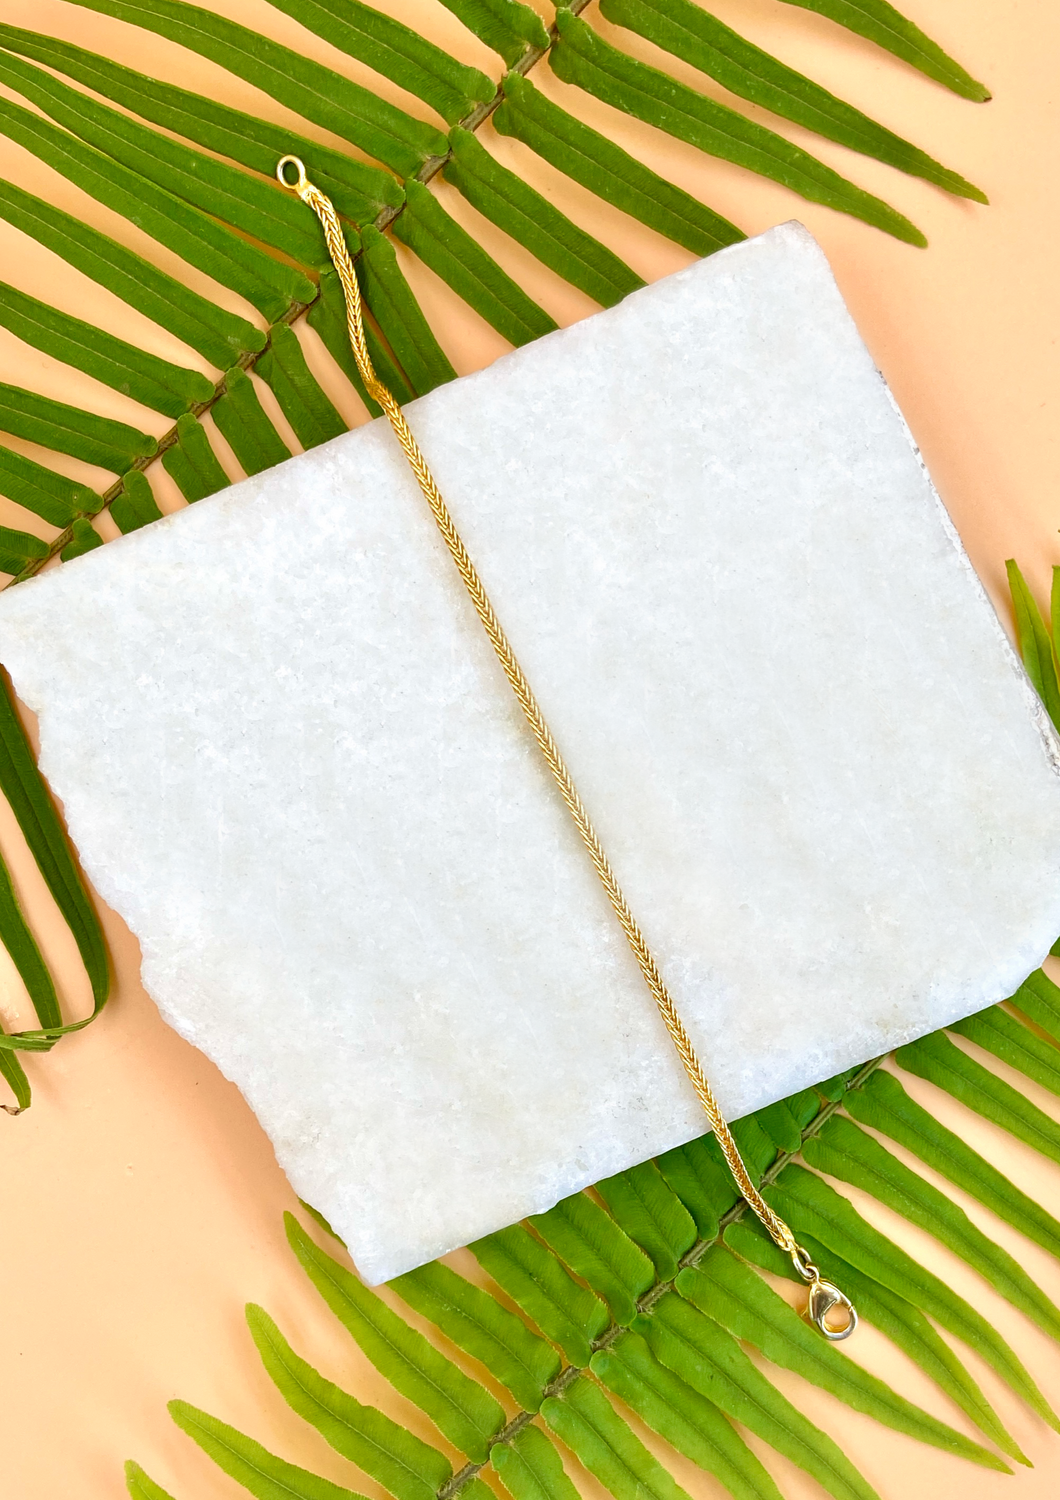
point(572, 1373)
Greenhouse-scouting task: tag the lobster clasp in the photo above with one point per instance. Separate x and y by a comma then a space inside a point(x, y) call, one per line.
point(825, 1299)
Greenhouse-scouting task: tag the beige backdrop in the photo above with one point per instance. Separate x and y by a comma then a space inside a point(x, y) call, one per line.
point(142, 1202)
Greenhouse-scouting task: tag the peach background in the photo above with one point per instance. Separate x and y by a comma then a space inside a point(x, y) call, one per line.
point(142, 1201)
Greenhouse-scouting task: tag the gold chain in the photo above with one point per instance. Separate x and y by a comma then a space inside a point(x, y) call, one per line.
point(823, 1296)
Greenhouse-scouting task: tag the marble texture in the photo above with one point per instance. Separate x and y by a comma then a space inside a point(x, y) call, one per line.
point(288, 758)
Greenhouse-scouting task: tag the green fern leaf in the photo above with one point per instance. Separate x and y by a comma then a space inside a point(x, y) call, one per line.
point(448, 86)
point(901, 1322)
point(937, 1059)
point(712, 1363)
point(732, 1294)
point(583, 58)
point(219, 336)
point(136, 505)
point(882, 24)
point(51, 496)
point(532, 221)
point(12, 1071)
point(409, 1468)
point(757, 1146)
point(814, 1208)
point(608, 171)
point(26, 956)
point(459, 1407)
point(259, 209)
point(241, 419)
point(154, 382)
point(780, 1125)
point(452, 253)
point(697, 37)
point(192, 464)
point(510, 28)
point(357, 189)
point(1039, 998)
point(249, 1464)
point(312, 90)
point(191, 234)
point(604, 1442)
point(97, 440)
point(17, 548)
point(327, 318)
point(395, 309)
point(1036, 648)
point(592, 1245)
point(688, 1421)
point(651, 1214)
point(141, 1486)
point(699, 1177)
point(84, 538)
point(302, 401)
point(536, 1280)
point(478, 1324)
point(884, 1105)
point(845, 1151)
point(530, 1468)
point(1004, 1036)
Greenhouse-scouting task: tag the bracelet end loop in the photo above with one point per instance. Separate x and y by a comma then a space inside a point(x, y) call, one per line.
point(301, 181)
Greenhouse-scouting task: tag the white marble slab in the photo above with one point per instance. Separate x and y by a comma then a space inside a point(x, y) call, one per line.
point(289, 760)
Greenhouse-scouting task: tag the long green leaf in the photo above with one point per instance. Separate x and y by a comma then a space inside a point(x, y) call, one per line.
point(51, 496)
point(154, 382)
point(503, 197)
point(23, 786)
point(66, 429)
point(17, 548)
point(592, 1245)
point(757, 1147)
point(478, 1324)
point(728, 1291)
point(651, 1214)
point(357, 189)
point(136, 505)
point(812, 1207)
point(459, 1407)
point(302, 400)
point(309, 88)
point(879, 22)
point(884, 1105)
point(84, 539)
point(901, 1322)
point(409, 1468)
point(400, 54)
point(530, 1468)
point(569, 1314)
point(606, 170)
point(241, 419)
point(1035, 646)
point(1039, 998)
point(694, 35)
point(395, 309)
point(780, 1124)
point(218, 335)
point(260, 209)
point(26, 956)
point(15, 1074)
point(192, 464)
point(937, 1059)
point(688, 1421)
point(249, 1464)
point(712, 1363)
point(701, 1180)
point(583, 58)
point(141, 1486)
point(845, 1151)
point(997, 1032)
point(589, 1425)
point(455, 256)
point(510, 28)
point(327, 317)
point(197, 238)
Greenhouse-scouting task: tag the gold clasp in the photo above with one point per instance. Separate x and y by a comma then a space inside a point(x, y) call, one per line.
point(301, 181)
point(825, 1298)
